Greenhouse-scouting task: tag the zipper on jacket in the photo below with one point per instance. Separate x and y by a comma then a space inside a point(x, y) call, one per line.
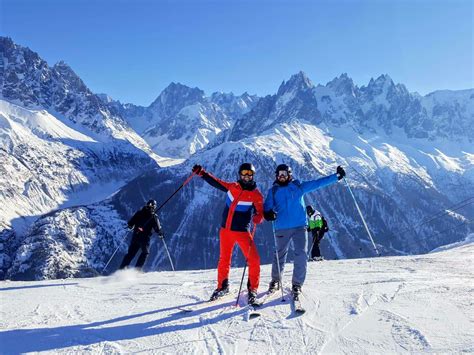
point(230, 216)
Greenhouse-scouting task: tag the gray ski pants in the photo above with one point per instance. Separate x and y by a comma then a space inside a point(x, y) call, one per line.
point(300, 247)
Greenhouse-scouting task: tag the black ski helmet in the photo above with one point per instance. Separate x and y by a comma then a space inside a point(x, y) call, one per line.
point(310, 210)
point(246, 166)
point(283, 167)
point(151, 204)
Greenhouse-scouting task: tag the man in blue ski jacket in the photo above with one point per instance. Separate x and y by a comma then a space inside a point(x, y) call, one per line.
point(285, 207)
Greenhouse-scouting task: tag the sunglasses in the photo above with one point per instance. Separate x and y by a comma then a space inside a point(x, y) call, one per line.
point(283, 173)
point(246, 173)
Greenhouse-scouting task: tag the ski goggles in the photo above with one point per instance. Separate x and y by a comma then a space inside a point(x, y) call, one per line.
point(246, 173)
point(283, 173)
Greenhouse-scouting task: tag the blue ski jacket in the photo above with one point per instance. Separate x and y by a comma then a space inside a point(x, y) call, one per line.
point(287, 201)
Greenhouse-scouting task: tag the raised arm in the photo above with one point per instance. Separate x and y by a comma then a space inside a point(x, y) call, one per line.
point(216, 182)
point(211, 179)
point(312, 185)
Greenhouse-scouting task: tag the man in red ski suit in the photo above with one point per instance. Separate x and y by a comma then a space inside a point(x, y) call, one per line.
point(244, 204)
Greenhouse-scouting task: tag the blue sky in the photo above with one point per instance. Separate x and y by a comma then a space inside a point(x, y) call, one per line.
point(132, 50)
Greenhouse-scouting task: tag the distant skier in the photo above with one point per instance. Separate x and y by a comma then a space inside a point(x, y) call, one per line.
point(317, 225)
point(244, 204)
point(142, 222)
point(284, 204)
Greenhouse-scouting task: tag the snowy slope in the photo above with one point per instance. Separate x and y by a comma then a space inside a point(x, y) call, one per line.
point(381, 305)
point(47, 164)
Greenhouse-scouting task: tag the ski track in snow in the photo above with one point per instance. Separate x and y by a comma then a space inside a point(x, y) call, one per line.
point(380, 305)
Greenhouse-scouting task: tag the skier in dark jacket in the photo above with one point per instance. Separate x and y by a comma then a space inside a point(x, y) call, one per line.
point(318, 226)
point(284, 204)
point(142, 222)
point(244, 204)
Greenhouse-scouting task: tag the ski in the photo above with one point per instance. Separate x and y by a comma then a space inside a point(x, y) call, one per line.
point(206, 303)
point(252, 312)
point(254, 309)
point(298, 308)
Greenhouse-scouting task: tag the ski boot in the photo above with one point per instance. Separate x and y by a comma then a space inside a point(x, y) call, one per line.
point(220, 291)
point(252, 298)
point(274, 286)
point(296, 291)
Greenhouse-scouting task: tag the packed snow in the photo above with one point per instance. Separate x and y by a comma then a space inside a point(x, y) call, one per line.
point(405, 304)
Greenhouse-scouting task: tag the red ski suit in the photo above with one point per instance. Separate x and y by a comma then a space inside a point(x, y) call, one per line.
point(243, 202)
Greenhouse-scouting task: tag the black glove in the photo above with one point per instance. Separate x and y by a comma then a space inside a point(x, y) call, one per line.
point(198, 169)
point(340, 172)
point(325, 225)
point(270, 215)
point(161, 235)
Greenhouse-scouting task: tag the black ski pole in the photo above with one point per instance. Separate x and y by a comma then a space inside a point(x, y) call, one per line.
point(311, 249)
point(174, 193)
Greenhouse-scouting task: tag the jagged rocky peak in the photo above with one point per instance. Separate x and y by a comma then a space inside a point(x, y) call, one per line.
point(377, 86)
point(64, 69)
point(222, 96)
point(235, 106)
point(343, 85)
point(297, 82)
point(107, 99)
point(6, 42)
point(178, 95)
point(69, 77)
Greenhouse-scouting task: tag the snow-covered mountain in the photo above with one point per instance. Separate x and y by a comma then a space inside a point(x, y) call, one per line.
point(381, 106)
point(409, 161)
point(400, 187)
point(60, 145)
point(409, 304)
point(182, 120)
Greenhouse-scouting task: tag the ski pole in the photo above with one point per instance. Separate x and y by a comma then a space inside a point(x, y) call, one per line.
point(362, 217)
point(174, 193)
point(108, 262)
point(167, 252)
point(245, 266)
point(312, 245)
point(278, 262)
